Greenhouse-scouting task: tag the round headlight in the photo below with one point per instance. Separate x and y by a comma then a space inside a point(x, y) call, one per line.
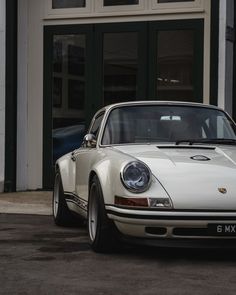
point(136, 177)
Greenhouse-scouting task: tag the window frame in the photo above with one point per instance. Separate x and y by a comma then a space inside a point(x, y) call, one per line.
point(99, 7)
point(50, 12)
point(95, 8)
point(191, 6)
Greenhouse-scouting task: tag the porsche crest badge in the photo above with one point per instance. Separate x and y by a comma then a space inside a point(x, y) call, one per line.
point(222, 190)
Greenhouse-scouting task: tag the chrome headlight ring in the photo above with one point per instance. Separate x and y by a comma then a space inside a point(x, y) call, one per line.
point(136, 177)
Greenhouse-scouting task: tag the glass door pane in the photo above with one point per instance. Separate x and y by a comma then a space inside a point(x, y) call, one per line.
point(120, 66)
point(175, 59)
point(68, 93)
point(120, 2)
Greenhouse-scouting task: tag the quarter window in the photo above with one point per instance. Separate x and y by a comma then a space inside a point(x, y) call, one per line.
point(96, 125)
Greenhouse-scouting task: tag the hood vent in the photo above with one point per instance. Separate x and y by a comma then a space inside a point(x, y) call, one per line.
point(200, 158)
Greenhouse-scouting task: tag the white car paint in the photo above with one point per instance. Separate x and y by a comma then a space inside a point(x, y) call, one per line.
point(193, 187)
point(192, 184)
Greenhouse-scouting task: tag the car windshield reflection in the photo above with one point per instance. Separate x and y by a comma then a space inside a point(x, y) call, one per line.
point(141, 124)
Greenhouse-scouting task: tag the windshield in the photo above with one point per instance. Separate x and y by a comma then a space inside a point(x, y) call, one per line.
point(160, 123)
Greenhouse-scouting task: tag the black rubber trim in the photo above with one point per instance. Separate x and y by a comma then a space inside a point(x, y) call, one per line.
point(139, 216)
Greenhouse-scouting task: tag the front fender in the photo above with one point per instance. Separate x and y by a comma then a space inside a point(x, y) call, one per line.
point(108, 171)
point(67, 170)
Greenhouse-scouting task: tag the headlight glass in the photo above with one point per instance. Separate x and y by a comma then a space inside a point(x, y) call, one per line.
point(136, 177)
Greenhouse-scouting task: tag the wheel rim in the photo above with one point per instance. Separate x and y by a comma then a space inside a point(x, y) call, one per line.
point(56, 196)
point(93, 214)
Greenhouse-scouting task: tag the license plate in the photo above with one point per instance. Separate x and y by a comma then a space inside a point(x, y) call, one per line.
point(222, 229)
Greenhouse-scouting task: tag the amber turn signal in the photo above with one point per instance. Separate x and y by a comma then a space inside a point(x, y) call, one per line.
point(131, 202)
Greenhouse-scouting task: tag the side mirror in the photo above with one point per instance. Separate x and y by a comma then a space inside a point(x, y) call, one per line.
point(90, 141)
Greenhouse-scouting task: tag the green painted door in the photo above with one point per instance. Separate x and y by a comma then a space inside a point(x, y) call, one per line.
point(89, 66)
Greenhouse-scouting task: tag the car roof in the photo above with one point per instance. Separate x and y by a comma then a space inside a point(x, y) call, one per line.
point(154, 102)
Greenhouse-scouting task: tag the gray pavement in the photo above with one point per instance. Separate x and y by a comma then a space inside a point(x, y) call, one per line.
point(29, 202)
point(39, 258)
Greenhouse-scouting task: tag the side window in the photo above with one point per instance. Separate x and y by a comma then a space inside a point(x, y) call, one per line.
point(224, 129)
point(96, 125)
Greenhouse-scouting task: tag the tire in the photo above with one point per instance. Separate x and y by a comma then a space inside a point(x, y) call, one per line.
point(61, 214)
point(102, 231)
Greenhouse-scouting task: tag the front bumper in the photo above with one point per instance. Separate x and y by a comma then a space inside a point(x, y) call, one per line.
point(174, 225)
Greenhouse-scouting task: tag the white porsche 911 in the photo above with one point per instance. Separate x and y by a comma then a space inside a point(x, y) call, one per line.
point(155, 172)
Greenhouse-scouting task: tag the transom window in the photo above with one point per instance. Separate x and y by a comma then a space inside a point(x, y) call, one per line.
point(119, 2)
point(170, 1)
point(57, 4)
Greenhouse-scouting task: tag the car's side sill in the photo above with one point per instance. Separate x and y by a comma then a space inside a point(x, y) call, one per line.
point(81, 203)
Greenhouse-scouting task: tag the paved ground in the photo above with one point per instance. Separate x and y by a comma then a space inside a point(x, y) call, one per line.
point(30, 202)
point(36, 257)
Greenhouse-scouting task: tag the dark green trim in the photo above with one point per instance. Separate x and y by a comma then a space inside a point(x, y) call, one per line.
point(198, 26)
point(47, 110)
point(214, 52)
point(234, 69)
point(11, 96)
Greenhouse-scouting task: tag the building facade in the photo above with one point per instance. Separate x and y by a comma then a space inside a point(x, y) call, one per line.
point(67, 58)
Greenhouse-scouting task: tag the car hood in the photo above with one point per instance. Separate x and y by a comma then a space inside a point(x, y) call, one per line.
point(192, 183)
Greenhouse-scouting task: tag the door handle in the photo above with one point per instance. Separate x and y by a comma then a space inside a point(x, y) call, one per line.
point(73, 158)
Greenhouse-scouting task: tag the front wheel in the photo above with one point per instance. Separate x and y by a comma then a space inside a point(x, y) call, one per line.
point(102, 232)
point(61, 214)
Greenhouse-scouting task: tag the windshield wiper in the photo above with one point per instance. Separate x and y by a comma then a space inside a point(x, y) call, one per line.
point(207, 140)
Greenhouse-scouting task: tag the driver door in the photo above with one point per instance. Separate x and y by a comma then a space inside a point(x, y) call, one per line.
point(85, 159)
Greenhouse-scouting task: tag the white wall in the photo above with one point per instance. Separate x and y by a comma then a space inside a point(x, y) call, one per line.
point(226, 52)
point(30, 95)
point(35, 95)
point(2, 92)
